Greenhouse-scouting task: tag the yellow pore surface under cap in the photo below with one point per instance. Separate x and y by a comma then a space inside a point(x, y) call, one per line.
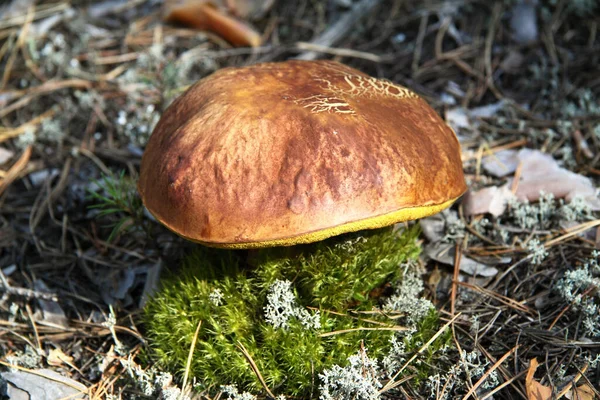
point(380, 221)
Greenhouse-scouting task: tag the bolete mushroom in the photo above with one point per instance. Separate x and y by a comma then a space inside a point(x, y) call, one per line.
point(279, 154)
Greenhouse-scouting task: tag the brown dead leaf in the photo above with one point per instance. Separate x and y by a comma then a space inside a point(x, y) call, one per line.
point(581, 392)
point(56, 358)
point(445, 253)
point(492, 200)
point(535, 390)
point(539, 172)
point(207, 16)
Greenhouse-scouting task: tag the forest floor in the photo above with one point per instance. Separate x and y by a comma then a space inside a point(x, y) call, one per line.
point(512, 267)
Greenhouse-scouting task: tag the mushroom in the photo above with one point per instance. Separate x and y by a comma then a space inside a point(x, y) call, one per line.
point(279, 154)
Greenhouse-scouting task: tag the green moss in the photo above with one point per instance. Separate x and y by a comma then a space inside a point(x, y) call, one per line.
point(227, 291)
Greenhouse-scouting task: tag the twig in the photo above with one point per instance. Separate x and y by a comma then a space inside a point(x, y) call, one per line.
point(503, 299)
point(489, 41)
point(255, 368)
point(41, 11)
point(37, 213)
point(9, 133)
point(188, 363)
point(341, 28)
point(392, 383)
point(24, 292)
point(518, 143)
point(47, 87)
point(419, 46)
point(571, 304)
point(454, 292)
point(574, 231)
point(312, 47)
point(36, 334)
point(488, 372)
point(389, 328)
point(20, 41)
point(14, 171)
point(502, 386)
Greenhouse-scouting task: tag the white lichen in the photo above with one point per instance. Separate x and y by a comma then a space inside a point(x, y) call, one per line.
point(537, 251)
point(406, 299)
point(216, 297)
point(470, 366)
point(579, 287)
point(282, 306)
point(359, 380)
point(233, 393)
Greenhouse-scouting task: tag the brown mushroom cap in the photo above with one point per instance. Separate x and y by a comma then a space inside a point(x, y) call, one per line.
point(295, 152)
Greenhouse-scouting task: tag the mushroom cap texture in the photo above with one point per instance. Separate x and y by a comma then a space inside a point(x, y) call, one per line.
point(295, 152)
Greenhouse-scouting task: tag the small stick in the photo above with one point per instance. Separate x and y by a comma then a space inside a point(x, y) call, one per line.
point(307, 46)
point(392, 383)
point(574, 231)
point(502, 299)
point(582, 144)
point(255, 369)
point(517, 178)
point(24, 292)
point(496, 149)
point(36, 334)
point(20, 41)
point(341, 28)
point(14, 171)
point(9, 133)
point(500, 387)
point(188, 363)
point(389, 328)
point(457, 258)
point(488, 372)
point(44, 88)
point(419, 47)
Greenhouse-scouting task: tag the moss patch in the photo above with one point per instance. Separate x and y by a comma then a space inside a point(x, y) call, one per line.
point(332, 282)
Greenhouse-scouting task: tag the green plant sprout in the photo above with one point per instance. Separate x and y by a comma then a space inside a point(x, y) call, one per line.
point(117, 195)
point(295, 313)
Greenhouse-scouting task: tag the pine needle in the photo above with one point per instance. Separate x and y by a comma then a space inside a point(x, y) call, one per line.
point(188, 364)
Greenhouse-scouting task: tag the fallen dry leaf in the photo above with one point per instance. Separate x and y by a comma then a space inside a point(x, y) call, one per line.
point(535, 390)
point(42, 384)
point(445, 253)
point(581, 392)
point(49, 312)
point(433, 227)
point(205, 15)
point(56, 358)
point(541, 173)
point(460, 117)
point(502, 163)
point(492, 200)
